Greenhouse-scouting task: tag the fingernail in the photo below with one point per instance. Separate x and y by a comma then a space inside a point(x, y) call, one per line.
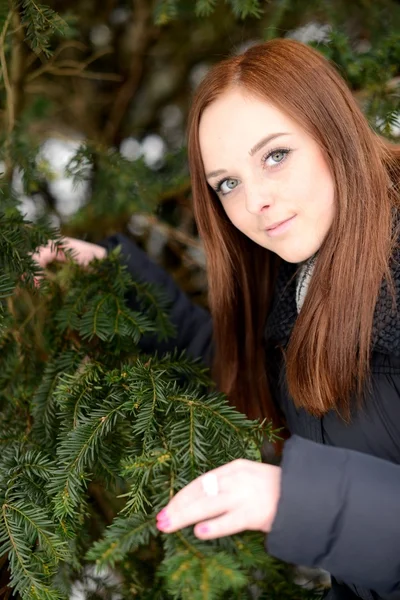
point(163, 524)
point(202, 529)
point(162, 514)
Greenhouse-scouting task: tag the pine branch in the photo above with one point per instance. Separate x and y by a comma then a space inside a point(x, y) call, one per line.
point(205, 8)
point(165, 11)
point(78, 451)
point(122, 537)
point(40, 23)
point(6, 290)
point(94, 305)
point(44, 402)
point(191, 577)
point(246, 8)
point(21, 528)
point(141, 472)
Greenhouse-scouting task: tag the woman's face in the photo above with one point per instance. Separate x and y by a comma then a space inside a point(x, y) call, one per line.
point(269, 174)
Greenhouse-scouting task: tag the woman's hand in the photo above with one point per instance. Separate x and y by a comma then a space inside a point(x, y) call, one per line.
point(83, 252)
point(247, 498)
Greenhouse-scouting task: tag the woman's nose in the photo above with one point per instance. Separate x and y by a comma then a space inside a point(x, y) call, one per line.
point(257, 199)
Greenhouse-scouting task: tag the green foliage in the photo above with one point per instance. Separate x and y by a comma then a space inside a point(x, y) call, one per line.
point(205, 8)
point(40, 23)
point(196, 577)
point(246, 8)
point(28, 534)
point(373, 71)
point(94, 411)
point(17, 240)
point(167, 10)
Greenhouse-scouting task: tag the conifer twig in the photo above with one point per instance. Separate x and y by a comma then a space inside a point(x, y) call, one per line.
point(189, 546)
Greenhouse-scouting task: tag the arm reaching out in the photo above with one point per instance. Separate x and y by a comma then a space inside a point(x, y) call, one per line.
point(83, 252)
point(193, 323)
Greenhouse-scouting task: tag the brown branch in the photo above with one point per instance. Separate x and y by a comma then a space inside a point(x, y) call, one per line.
point(61, 67)
point(142, 33)
point(17, 68)
point(6, 79)
point(13, 78)
point(99, 496)
point(172, 232)
point(70, 72)
point(60, 48)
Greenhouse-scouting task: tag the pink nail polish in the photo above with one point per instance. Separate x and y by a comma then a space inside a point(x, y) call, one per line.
point(163, 524)
point(162, 514)
point(203, 529)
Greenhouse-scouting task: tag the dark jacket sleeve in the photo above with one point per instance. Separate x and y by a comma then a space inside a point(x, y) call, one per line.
point(339, 510)
point(192, 323)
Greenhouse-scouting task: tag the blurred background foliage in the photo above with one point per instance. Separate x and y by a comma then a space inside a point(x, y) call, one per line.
point(94, 116)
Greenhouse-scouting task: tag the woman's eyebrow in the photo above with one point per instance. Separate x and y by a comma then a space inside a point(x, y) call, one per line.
point(252, 151)
point(264, 142)
point(212, 174)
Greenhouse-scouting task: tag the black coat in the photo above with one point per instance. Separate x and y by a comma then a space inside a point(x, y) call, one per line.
point(340, 499)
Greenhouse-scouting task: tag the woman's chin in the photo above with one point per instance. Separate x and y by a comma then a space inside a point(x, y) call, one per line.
point(296, 256)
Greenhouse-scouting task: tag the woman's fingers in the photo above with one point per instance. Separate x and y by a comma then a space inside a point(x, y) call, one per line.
point(237, 496)
point(196, 509)
point(44, 256)
point(47, 253)
point(82, 252)
point(227, 524)
point(192, 504)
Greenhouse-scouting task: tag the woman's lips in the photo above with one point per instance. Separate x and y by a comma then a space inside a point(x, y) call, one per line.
point(280, 228)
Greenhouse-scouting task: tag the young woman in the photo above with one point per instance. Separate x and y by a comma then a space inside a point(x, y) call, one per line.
point(296, 201)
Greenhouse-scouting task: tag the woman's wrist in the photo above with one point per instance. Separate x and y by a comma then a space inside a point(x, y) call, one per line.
point(274, 494)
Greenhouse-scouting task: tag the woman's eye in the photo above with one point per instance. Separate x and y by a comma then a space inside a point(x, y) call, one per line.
point(275, 157)
point(227, 185)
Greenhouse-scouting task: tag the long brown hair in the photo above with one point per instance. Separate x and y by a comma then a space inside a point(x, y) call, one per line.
point(328, 354)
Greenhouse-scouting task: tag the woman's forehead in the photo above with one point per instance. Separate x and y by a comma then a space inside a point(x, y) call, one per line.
point(238, 118)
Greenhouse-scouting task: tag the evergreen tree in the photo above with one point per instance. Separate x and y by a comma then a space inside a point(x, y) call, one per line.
point(96, 436)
